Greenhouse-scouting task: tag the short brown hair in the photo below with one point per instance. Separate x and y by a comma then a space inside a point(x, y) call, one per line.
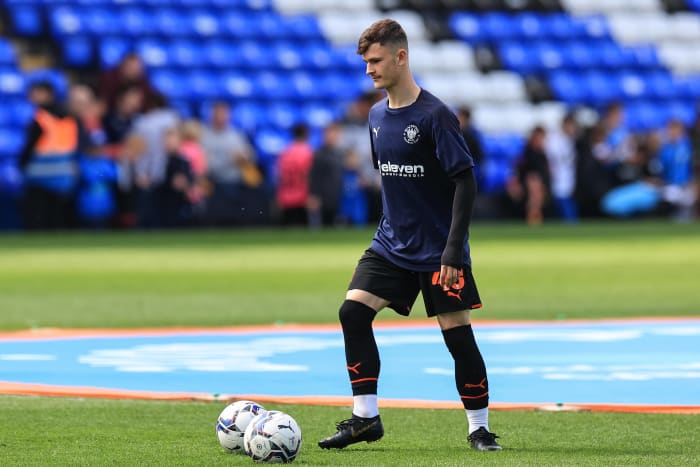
point(383, 32)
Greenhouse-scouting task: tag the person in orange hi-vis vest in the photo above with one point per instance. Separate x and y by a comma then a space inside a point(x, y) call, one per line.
point(48, 163)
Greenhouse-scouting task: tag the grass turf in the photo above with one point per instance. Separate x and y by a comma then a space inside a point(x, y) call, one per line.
point(252, 277)
point(41, 431)
point(257, 277)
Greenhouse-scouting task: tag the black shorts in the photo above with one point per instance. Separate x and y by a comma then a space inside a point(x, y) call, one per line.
point(377, 275)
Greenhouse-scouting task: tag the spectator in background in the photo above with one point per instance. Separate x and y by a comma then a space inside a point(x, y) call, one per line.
point(48, 162)
point(178, 184)
point(560, 148)
point(191, 149)
point(531, 184)
point(355, 141)
point(293, 167)
point(326, 179)
point(129, 72)
point(230, 166)
point(146, 146)
point(676, 163)
point(695, 145)
point(117, 124)
point(471, 135)
point(118, 121)
point(84, 105)
point(617, 143)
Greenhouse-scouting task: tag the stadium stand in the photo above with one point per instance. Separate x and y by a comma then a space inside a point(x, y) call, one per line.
point(516, 63)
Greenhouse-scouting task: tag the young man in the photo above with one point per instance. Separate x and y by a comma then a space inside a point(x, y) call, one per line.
point(421, 244)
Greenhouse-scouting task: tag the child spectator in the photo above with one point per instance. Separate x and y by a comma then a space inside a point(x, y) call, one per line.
point(179, 180)
point(531, 183)
point(293, 167)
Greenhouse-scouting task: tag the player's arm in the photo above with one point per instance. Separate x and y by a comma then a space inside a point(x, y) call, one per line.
point(462, 206)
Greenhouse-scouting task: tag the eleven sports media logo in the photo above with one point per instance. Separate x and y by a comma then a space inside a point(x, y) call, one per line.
point(411, 135)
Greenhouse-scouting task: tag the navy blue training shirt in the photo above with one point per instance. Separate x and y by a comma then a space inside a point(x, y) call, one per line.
point(416, 149)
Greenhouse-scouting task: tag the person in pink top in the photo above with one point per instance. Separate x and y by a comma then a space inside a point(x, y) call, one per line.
point(293, 167)
point(192, 150)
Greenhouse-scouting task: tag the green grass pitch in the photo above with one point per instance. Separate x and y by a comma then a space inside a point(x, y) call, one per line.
point(224, 278)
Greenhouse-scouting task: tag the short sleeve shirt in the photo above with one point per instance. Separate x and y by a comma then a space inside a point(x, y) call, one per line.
point(417, 149)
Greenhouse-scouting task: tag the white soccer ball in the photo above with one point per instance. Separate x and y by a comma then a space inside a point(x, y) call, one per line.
point(232, 422)
point(273, 438)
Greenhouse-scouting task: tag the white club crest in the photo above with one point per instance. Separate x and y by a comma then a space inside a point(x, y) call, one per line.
point(411, 134)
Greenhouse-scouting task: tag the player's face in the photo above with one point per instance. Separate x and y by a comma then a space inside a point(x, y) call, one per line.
point(382, 65)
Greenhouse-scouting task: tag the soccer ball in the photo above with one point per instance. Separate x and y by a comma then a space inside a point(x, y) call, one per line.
point(232, 422)
point(273, 438)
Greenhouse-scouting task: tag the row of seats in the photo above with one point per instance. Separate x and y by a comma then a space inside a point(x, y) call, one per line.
point(538, 56)
point(490, 28)
point(170, 22)
point(595, 87)
point(263, 85)
point(80, 51)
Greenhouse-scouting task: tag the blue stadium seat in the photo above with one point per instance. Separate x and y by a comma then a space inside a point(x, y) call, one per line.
point(239, 24)
point(633, 84)
point(530, 26)
point(688, 87)
point(172, 83)
point(318, 115)
point(567, 86)
point(248, 116)
point(270, 26)
point(135, 22)
point(645, 115)
point(7, 53)
point(238, 85)
point(594, 27)
point(287, 55)
point(284, 114)
point(77, 51)
point(26, 19)
point(185, 53)
point(601, 87)
point(12, 141)
point(562, 26)
point(303, 27)
point(643, 56)
point(205, 24)
point(154, 53)
point(660, 85)
point(205, 84)
point(346, 57)
point(171, 23)
point(579, 54)
point(274, 86)
point(66, 21)
point(612, 55)
point(21, 111)
point(498, 27)
point(254, 55)
point(682, 110)
point(101, 21)
point(219, 54)
point(550, 55)
point(270, 142)
point(318, 56)
point(519, 57)
point(112, 50)
point(468, 27)
point(303, 85)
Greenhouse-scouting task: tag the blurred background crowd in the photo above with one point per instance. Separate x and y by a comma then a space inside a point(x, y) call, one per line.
point(184, 113)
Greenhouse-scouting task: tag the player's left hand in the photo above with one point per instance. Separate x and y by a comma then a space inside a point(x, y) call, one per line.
point(449, 276)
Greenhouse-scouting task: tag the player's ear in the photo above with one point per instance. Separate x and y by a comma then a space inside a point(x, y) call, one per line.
point(401, 56)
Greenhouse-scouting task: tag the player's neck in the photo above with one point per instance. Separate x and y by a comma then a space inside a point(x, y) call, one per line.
point(403, 94)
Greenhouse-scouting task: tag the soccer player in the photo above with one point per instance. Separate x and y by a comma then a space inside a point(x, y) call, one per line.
point(421, 244)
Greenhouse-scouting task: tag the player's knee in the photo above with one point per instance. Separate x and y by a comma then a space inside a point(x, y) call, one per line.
point(355, 315)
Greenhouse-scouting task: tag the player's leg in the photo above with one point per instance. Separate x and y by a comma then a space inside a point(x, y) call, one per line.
point(452, 309)
point(373, 280)
point(362, 362)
